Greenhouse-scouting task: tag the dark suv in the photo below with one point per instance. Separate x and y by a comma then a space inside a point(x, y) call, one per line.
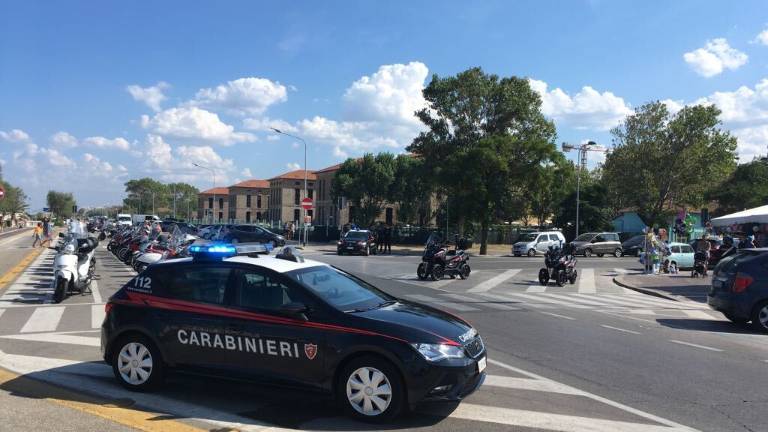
point(251, 234)
point(357, 241)
point(599, 244)
point(740, 288)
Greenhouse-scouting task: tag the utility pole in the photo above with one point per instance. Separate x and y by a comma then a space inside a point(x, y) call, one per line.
point(304, 211)
point(582, 164)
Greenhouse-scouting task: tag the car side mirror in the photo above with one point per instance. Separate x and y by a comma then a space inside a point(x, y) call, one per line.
point(296, 310)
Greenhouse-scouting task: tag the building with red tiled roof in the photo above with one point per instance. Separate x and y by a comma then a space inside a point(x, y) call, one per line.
point(249, 201)
point(296, 175)
point(213, 204)
point(285, 194)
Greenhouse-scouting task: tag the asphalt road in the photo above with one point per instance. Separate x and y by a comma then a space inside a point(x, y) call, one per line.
point(589, 356)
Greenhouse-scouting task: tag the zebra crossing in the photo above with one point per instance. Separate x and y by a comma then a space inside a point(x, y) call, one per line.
point(75, 324)
point(34, 286)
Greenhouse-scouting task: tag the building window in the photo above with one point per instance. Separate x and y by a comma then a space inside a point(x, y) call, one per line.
point(247, 217)
point(310, 192)
point(258, 216)
point(258, 201)
point(297, 196)
point(210, 202)
point(221, 204)
point(221, 216)
point(247, 200)
point(296, 215)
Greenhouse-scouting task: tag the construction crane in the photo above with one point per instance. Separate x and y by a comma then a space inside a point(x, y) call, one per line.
point(589, 146)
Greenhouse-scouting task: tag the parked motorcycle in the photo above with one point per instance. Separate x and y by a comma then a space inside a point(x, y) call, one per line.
point(559, 265)
point(74, 263)
point(164, 248)
point(438, 261)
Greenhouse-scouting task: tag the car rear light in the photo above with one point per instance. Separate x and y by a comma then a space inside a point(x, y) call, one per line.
point(107, 308)
point(741, 282)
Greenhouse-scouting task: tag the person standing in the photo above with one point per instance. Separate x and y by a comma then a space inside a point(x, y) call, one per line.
point(388, 239)
point(46, 232)
point(37, 233)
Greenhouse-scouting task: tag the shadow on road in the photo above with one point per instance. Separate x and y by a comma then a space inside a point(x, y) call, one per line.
point(707, 325)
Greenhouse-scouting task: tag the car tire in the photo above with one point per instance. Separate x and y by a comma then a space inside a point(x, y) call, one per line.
point(587, 253)
point(379, 399)
point(732, 318)
point(618, 253)
point(137, 363)
point(532, 253)
point(438, 271)
point(760, 316)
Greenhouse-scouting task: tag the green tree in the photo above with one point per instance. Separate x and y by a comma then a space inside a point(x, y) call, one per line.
point(145, 194)
point(484, 134)
point(549, 185)
point(410, 189)
point(747, 187)
point(595, 213)
point(13, 203)
point(61, 203)
point(661, 160)
point(367, 183)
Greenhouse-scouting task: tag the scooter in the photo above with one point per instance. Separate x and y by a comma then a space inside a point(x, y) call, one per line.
point(438, 261)
point(559, 265)
point(74, 265)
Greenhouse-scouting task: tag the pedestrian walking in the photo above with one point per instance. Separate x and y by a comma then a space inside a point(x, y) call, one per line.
point(380, 234)
point(47, 232)
point(388, 239)
point(37, 233)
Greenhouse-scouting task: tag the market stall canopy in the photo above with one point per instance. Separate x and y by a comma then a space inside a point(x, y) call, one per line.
point(753, 215)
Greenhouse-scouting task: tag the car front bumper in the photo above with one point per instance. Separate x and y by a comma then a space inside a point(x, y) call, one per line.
point(445, 382)
point(350, 248)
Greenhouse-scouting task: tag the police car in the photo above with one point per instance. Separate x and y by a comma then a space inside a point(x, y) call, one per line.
point(288, 321)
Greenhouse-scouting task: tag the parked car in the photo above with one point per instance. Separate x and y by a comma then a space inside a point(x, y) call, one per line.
point(681, 256)
point(537, 243)
point(250, 234)
point(599, 244)
point(633, 246)
point(740, 288)
point(357, 241)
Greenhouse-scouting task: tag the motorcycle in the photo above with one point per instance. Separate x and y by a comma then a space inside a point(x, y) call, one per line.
point(699, 264)
point(74, 263)
point(438, 261)
point(164, 248)
point(559, 265)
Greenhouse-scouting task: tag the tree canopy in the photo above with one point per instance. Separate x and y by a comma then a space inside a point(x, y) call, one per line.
point(141, 193)
point(367, 183)
point(747, 187)
point(61, 203)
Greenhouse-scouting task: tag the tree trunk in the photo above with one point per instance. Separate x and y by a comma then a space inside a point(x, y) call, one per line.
point(484, 236)
point(460, 221)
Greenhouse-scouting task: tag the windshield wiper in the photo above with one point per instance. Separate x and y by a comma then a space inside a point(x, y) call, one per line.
point(380, 305)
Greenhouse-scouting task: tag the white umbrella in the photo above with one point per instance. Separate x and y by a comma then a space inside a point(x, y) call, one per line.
point(753, 215)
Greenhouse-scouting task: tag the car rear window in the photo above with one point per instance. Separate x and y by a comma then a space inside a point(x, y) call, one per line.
point(686, 249)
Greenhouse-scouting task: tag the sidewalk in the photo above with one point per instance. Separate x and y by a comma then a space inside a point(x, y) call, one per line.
point(413, 250)
point(671, 287)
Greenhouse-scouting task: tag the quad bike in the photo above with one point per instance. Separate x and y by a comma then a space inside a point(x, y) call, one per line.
point(438, 261)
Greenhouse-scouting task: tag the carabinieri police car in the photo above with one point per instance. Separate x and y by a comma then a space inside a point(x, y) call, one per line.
point(286, 320)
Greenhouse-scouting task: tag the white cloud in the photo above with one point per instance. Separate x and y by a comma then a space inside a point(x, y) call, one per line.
point(762, 37)
point(293, 166)
point(158, 152)
point(246, 172)
point(57, 159)
point(187, 156)
point(265, 124)
point(242, 96)
point(673, 105)
point(753, 141)
point(106, 143)
point(64, 139)
point(195, 124)
point(744, 106)
point(14, 136)
point(714, 57)
point(587, 109)
point(97, 167)
point(152, 96)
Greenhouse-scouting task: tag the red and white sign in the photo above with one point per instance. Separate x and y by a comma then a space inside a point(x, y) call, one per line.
point(306, 203)
point(2, 193)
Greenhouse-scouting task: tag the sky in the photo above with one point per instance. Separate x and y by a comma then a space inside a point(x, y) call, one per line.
point(94, 93)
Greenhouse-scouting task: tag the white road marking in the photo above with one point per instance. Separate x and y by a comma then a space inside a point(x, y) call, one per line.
point(43, 320)
point(695, 345)
point(508, 299)
point(58, 338)
point(587, 281)
point(577, 300)
point(95, 291)
point(536, 289)
point(493, 282)
point(484, 303)
point(1, 312)
point(97, 315)
point(540, 298)
point(529, 384)
point(671, 426)
point(619, 329)
point(437, 301)
point(641, 311)
point(558, 316)
point(604, 299)
point(700, 314)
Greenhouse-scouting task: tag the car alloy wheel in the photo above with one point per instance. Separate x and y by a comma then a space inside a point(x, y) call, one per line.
point(587, 253)
point(532, 253)
point(134, 362)
point(369, 391)
point(760, 317)
point(617, 253)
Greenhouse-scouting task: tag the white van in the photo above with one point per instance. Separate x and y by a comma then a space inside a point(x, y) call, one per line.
point(537, 242)
point(123, 219)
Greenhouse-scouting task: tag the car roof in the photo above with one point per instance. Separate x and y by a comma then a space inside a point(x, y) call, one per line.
point(265, 261)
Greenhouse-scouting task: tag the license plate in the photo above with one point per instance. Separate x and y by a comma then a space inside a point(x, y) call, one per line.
point(350, 247)
point(481, 364)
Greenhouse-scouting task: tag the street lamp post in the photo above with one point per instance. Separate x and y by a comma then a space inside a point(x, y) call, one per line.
point(582, 161)
point(305, 176)
point(214, 186)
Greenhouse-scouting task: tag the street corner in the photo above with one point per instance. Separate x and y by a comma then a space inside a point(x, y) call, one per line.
point(669, 286)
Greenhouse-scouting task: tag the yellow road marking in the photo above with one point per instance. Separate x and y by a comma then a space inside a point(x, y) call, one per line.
point(110, 410)
point(13, 273)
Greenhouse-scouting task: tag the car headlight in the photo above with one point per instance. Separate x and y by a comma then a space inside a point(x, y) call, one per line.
point(437, 352)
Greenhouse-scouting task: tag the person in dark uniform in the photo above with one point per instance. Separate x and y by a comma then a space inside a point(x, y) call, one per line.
point(388, 239)
point(380, 236)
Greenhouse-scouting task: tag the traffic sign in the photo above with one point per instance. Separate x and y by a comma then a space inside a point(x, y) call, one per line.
point(306, 203)
point(2, 192)
point(46, 209)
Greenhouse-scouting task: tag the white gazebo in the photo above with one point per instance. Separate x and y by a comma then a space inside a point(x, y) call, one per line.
point(753, 215)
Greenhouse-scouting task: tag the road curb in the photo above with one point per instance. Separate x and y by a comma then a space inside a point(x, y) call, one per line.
point(644, 290)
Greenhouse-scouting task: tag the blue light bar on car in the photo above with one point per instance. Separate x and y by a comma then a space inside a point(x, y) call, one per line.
point(212, 251)
point(253, 249)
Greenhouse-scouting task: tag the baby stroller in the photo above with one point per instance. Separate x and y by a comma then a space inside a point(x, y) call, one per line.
point(699, 264)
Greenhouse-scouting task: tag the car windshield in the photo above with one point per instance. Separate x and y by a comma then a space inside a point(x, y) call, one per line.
point(356, 235)
point(528, 237)
point(340, 290)
point(585, 237)
point(124, 218)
